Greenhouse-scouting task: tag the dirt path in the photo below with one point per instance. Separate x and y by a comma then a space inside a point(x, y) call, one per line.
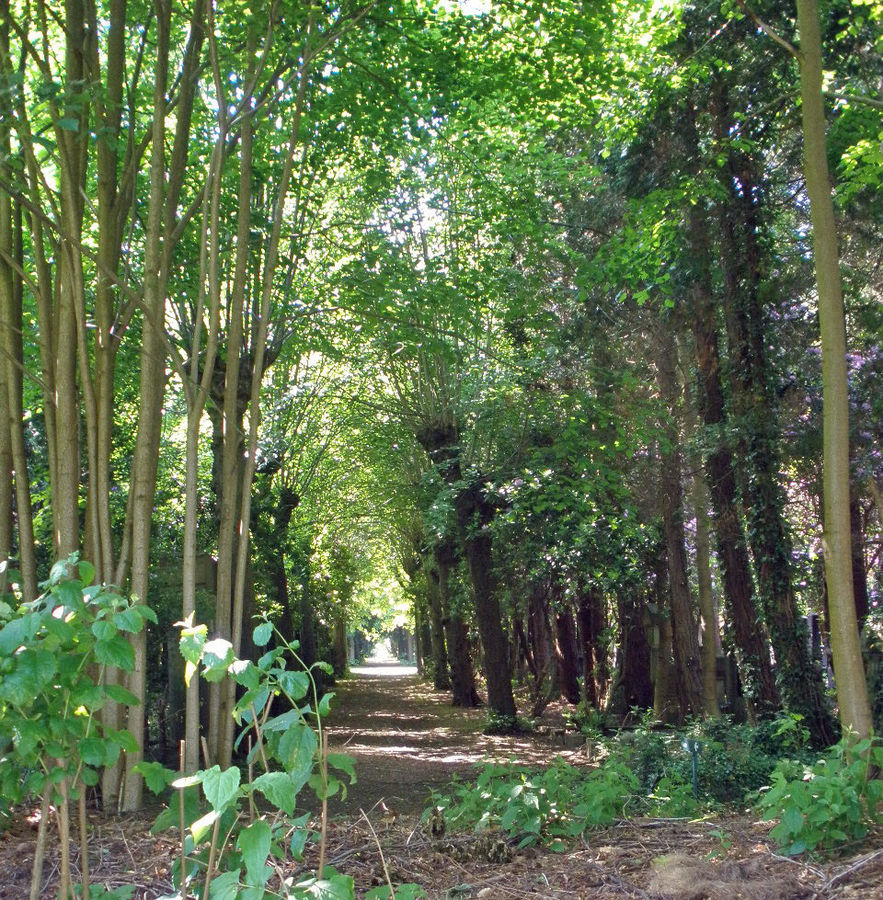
point(407, 739)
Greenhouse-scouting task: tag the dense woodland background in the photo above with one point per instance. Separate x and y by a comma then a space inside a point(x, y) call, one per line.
point(496, 322)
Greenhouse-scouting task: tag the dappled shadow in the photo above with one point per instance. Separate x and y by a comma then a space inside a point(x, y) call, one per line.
point(407, 739)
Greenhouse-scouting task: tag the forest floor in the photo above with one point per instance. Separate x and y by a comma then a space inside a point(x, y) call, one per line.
point(408, 741)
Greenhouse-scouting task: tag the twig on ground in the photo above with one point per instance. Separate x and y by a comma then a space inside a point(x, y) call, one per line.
point(858, 864)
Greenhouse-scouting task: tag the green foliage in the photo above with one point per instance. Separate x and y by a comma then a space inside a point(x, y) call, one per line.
point(546, 806)
point(825, 805)
point(55, 654)
point(732, 761)
point(289, 748)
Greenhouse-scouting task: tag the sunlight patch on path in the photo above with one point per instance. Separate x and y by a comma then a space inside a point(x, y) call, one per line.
point(377, 668)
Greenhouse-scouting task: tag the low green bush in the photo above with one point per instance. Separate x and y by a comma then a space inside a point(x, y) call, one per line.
point(830, 803)
point(545, 806)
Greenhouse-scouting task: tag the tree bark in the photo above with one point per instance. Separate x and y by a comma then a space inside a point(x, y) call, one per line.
point(751, 646)
point(852, 692)
point(566, 656)
point(459, 653)
point(474, 515)
point(755, 418)
point(685, 641)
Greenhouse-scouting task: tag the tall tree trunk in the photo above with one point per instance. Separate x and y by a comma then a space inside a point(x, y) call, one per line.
point(13, 460)
point(459, 653)
point(852, 692)
point(590, 616)
point(473, 518)
point(751, 646)
point(685, 640)
point(441, 676)
point(566, 655)
point(755, 418)
point(859, 570)
point(707, 609)
point(152, 389)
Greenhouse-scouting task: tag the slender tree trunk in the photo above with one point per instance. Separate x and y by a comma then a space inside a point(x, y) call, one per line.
point(473, 517)
point(852, 693)
point(459, 654)
point(152, 388)
point(755, 418)
point(566, 656)
point(859, 570)
point(710, 633)
point(441, 678)
point(685, 640)
point(751, 645)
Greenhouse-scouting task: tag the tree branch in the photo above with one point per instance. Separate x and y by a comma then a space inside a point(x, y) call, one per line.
point(770, 32)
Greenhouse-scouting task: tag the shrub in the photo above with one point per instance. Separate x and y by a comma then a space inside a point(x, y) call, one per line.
point(827, 804)
point(539, 806)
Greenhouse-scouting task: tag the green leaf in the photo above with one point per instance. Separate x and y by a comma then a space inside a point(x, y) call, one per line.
point(254, 844)
point(68, 124)
point(18, 632)
point(343, 762)
point(333, 886)
point(116, 651)
point(295, 684)
point(86, 571)
point(262, 634)
point(156, 776)
point(104, 629)
point(279, 789)
point(325, 705)
point(402, 892)
point(128, 620)
point(191, 642)
point(792, 819)
point(217, 654)
point(123, 739)
point(146, 613)
point(297, 750)
point(119, 694)
point(299, 836)
point(201, 827)
point(91, 751)
point(225, 886)
point(220, 788)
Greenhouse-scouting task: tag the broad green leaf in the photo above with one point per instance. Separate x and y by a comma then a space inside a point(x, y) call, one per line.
point(262, 634)
point(217, 654)
point(245, 672)
point(254, 844)
point(201, 827)
point(156, 776)
point(191, 642)
point(299, 836)
point(295, 684)
point(279, 789)
point(86, 571)
point(297, 750)
point(402, 892)
point(225, 886)
point(116, 651)
point(146, 613)
point(104, 629)
point(124, 739)
point(220, 787)
point(333, 886)
point(119, 694)
point(92, 751)
point(18, 632)
point(343, 762)
point(128, 620)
